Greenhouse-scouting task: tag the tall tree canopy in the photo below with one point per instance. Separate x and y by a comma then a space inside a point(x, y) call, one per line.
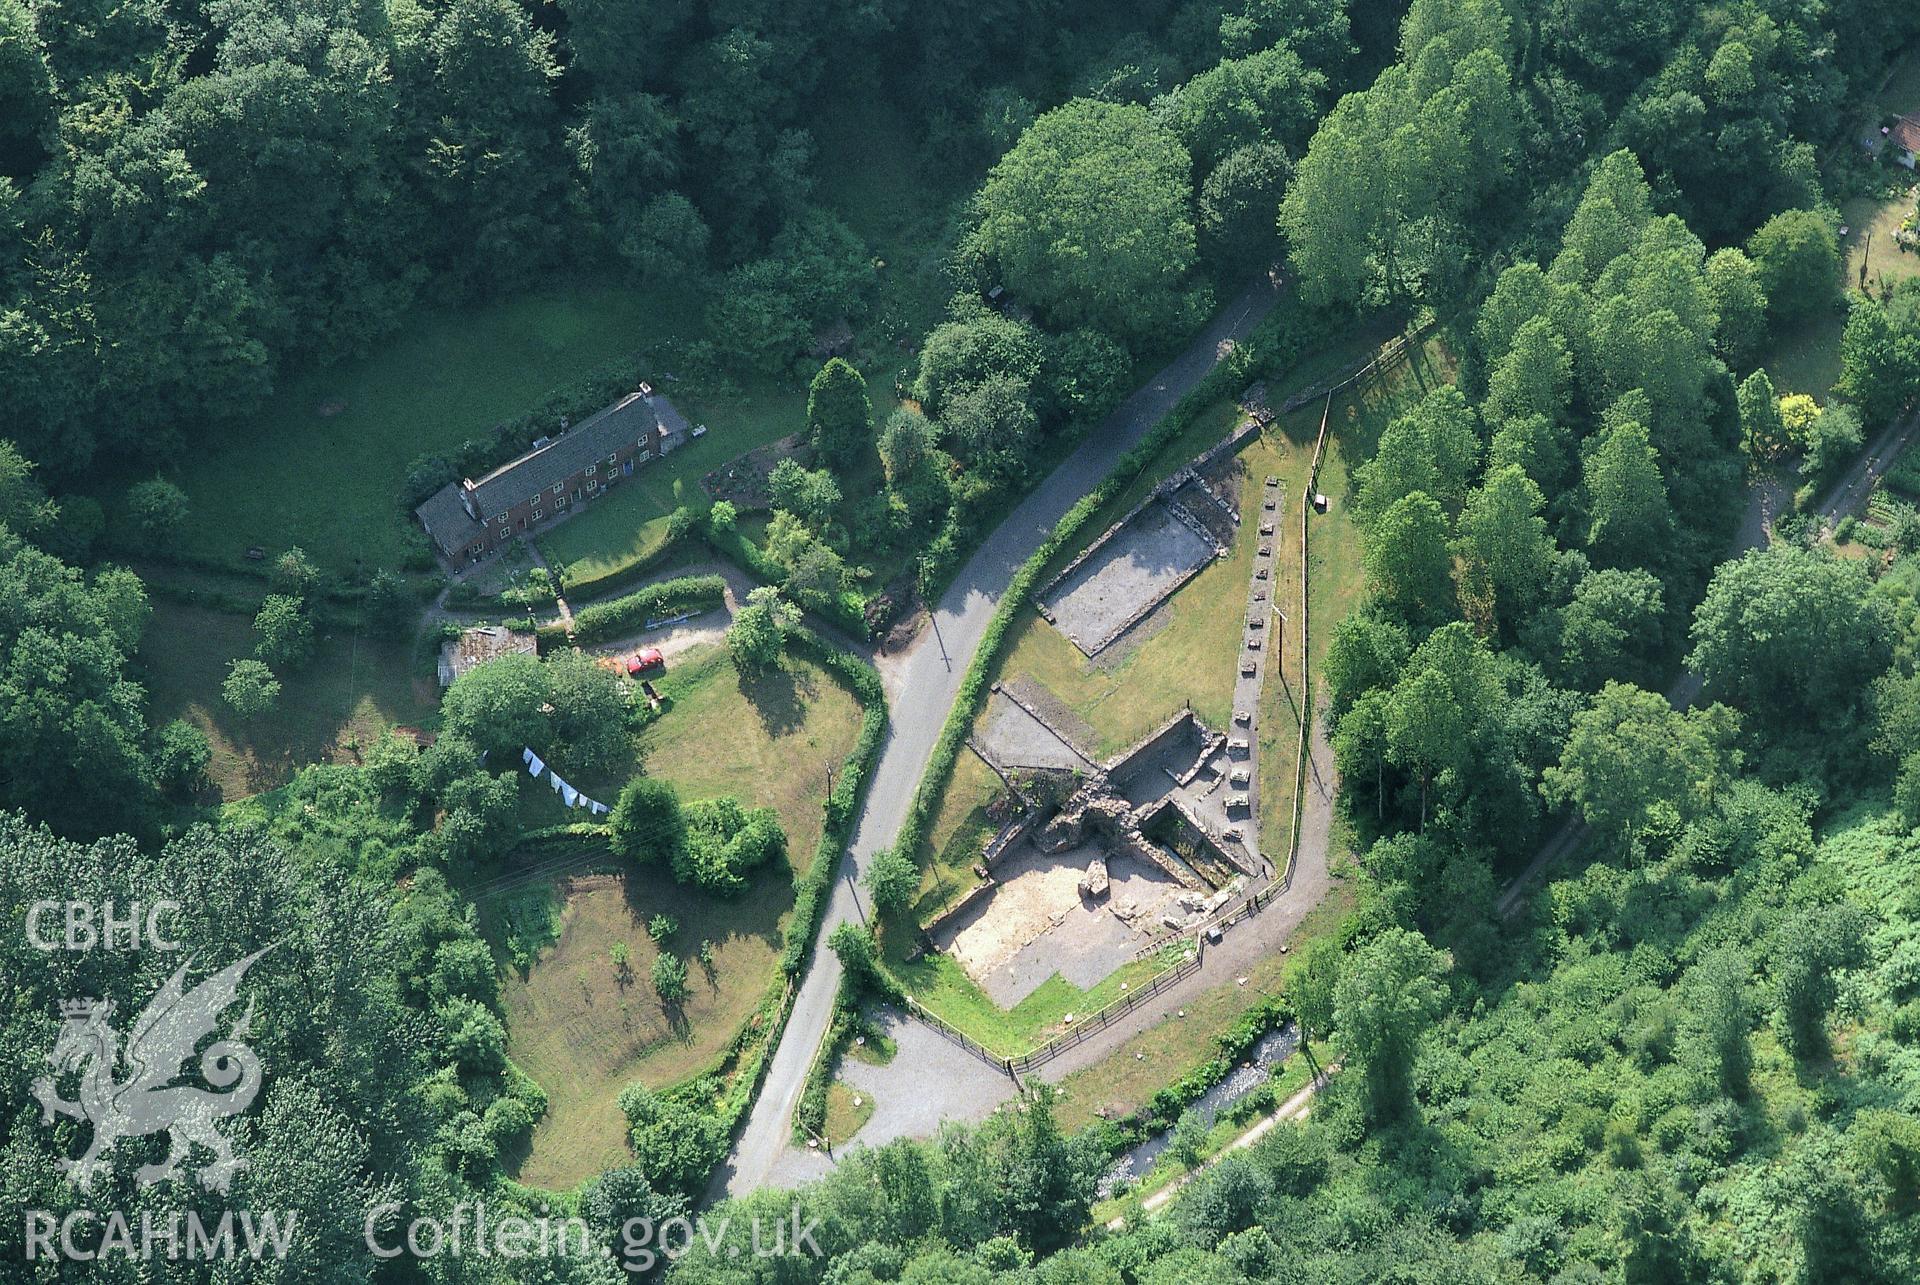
point(1090, 217)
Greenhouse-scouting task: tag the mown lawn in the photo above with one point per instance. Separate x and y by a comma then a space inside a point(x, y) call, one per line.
point(579, 1027)
point(329, 482)
point(1805, 357)
point(848, 1109)
point(768, 740)
point(1189, 658)
point(630, 524)
point(1869, 241)
point(944, 987)
point(585, 1031)
point(958, 835)
point(1336, 582)
point(350, 692)
point(1127, 1078)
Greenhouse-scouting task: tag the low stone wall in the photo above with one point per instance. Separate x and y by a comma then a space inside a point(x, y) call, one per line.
point(1151, 743)
point(1009, 837)
point(960, 907)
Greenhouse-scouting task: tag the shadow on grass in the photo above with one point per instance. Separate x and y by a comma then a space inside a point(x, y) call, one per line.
point(779, 698)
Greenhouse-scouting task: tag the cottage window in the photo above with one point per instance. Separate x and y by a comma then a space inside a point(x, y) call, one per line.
point(613, 459)
point(559, 487)
point(590, 469)
point(537, 515)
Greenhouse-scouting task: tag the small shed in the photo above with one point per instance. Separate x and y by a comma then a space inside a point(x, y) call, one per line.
point(475, 647)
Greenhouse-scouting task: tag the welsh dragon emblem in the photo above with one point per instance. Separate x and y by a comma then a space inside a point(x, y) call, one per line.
point(146, 1100)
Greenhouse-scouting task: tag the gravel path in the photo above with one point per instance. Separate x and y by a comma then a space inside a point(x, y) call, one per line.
point(923, 1086)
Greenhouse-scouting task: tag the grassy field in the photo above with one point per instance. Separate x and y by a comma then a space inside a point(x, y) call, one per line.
point(870, 176)
point(328, 481)
point(1335, 581)
point(1126, 1079)
point(1869, 241)
point(944, 987)
point(573, 1023)
point(770, 740)
point(1806, 357)
point(1189, 658)
point(350, 692)
point(585, 1031)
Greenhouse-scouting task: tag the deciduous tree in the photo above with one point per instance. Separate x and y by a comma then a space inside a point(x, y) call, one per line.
point(1407, 560)
point(839, 415)
point(1798, 263)
point(1632, 757)
point(1790, 634)
point(1387, 996)
point(250, 688)
point(1090, 217)
point(646, 823)
point(284, 630)
point(159, 509)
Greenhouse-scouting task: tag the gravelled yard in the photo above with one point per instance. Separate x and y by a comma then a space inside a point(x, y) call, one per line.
point(1139, 566)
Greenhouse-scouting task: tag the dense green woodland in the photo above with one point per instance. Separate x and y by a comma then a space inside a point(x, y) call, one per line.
point(1694, 1057)
point(194, 198)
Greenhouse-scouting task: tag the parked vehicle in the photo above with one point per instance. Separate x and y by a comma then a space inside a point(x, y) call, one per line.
point(646, 660)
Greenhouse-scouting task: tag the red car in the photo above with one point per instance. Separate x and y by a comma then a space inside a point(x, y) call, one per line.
point(647, 658)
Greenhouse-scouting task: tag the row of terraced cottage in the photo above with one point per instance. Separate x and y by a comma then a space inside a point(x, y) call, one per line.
point(470, 520)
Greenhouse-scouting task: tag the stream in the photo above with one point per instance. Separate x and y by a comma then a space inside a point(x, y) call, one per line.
point(1253, 1070)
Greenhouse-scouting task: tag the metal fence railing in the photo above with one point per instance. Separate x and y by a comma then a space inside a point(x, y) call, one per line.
point(1082, 1030)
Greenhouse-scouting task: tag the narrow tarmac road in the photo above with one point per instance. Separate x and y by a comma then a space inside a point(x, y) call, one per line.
point(922, 683)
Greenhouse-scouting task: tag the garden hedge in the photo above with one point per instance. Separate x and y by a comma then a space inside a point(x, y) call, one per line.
point(629, 613)
point(842, 610)
point(843, 801)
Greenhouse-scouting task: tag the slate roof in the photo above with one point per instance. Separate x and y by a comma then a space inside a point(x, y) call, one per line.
point(1906, 133)
point(594, 438)
point(447, 522)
